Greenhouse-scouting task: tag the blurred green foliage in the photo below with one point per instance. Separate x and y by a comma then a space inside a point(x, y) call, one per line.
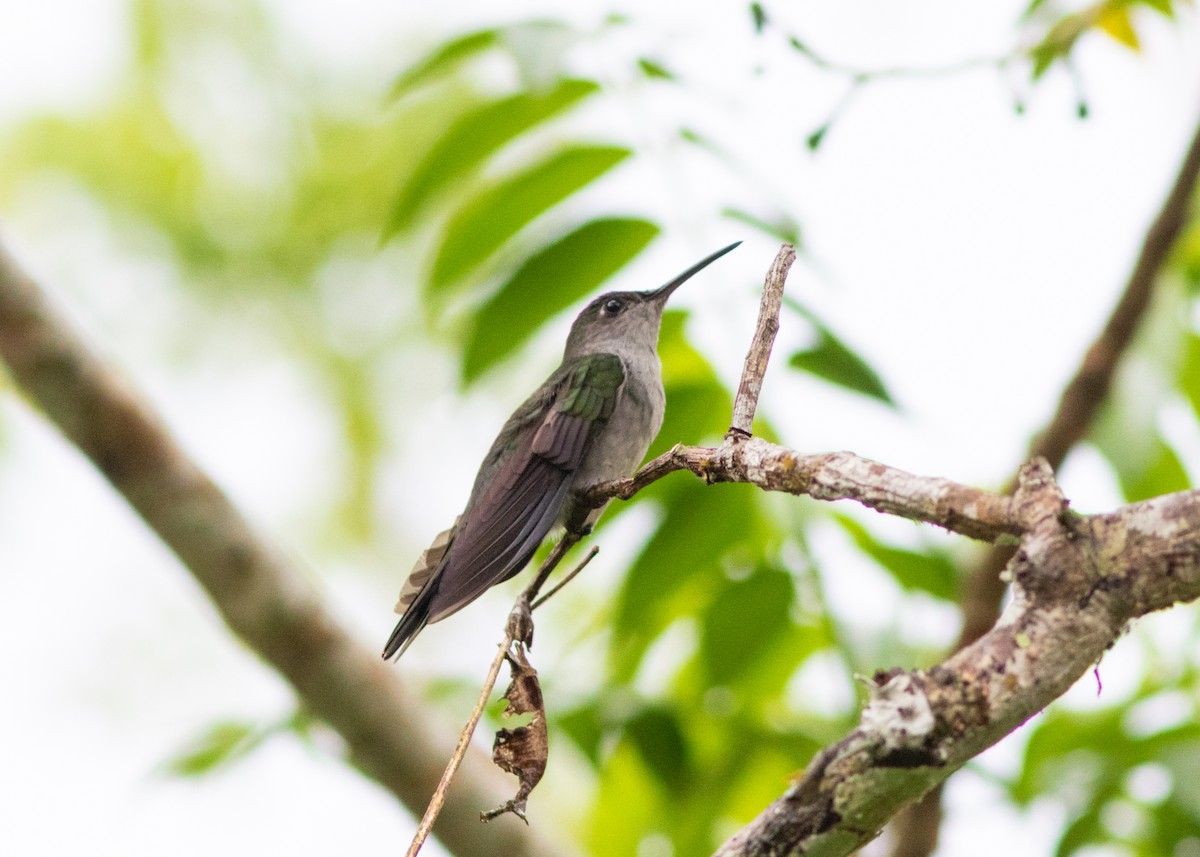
point(1113, 18)
point(468, 181)
point(1128, 780)
point(552, 280)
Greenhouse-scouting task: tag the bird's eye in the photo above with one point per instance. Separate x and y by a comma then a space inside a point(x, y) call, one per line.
point(613, 306)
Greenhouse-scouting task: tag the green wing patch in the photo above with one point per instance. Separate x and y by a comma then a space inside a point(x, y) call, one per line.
point(592, 387)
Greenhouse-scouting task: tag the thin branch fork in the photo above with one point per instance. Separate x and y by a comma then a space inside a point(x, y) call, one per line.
point(518, 630)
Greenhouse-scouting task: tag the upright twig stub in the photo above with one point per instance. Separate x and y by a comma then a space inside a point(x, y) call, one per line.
point(746, 402)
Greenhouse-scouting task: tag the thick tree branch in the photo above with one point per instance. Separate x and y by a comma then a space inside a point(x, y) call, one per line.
point(1088, 389)
point(1077, 408)
point(265, 601)
point(1078, 582)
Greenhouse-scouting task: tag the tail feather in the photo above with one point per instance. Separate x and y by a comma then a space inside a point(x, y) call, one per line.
point(417, 595)
point(414, 619)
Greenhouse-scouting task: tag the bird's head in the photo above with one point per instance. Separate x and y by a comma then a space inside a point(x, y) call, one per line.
point(618, 321)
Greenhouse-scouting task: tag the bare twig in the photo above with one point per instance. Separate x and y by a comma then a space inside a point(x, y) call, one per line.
point(265, 601)
point(464, 740)
point(750, 386)
point(858, 79)
point(568, 541)
point(860, 76)
point(570, 576)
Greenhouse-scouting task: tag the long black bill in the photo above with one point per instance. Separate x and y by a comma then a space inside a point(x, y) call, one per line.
point(663, 292)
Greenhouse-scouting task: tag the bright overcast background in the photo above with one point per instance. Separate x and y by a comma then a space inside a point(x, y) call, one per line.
point(971, 253)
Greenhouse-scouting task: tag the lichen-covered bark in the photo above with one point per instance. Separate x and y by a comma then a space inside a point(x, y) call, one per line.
point(968, 511)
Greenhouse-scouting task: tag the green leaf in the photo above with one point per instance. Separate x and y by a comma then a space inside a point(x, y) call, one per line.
point(760, 774)
point(683, 560)
point(481, 226)
point(783, 227)
point(1126, 431)
point(1172, 825)
point(1085, 757)
point(221, 744)
point(932, 571)
point(1185, 255)
point(1163, 7)
point(654, 70)
point(759, 16)
point(813, 141)
point(834, 361)
point(625, 805)
point(474, 137)
point(1189, 373)
point(1043, 57)
point(1116, 22)
point(743, 622)
point(1059, 41)
point(658, 736)
point(691, 135)
point(1085, 830)
point(1162, 473)
point(582, 725)
point(1065, 737)
point(549, 282)
point(1033, 6)
point(444, 59)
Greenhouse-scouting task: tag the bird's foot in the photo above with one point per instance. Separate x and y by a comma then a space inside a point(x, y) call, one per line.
point(520, 621)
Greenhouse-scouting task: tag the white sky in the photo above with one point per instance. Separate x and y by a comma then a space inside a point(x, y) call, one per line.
point(969, 252)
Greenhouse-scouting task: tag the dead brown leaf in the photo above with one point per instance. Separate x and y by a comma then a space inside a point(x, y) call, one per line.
point(521, 751)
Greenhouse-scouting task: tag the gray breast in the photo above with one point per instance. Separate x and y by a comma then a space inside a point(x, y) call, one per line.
point(634, 424)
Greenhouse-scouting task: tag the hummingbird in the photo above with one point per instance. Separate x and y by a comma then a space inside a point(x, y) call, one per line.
point(590, 422)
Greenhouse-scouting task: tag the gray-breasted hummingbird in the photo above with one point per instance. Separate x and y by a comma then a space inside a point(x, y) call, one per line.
point(590, 422)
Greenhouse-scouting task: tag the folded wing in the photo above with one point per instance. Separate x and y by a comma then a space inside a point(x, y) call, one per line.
point(507, 520)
